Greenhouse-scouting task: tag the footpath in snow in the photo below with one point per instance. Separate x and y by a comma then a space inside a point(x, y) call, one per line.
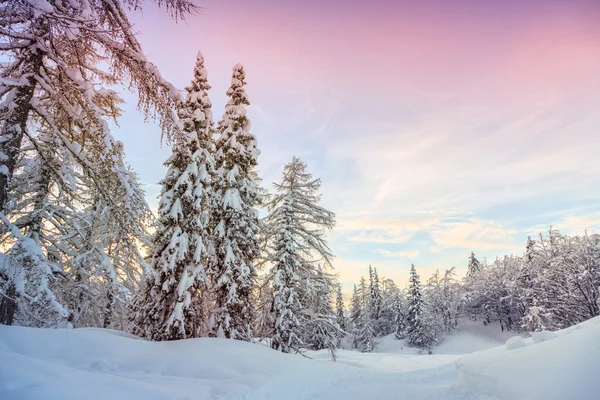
point(103, 364)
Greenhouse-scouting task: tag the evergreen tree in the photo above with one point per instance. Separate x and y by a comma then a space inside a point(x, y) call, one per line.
point(365, 328)
point(400, 318)
point(236, 225)
point(356, 312)
point(474, 265)
point(339, 307)
point(419, 331)
point(387, 319)
point(375, 301)
point(182, 246)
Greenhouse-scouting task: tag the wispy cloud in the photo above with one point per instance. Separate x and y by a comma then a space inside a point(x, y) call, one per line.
point(403, 254)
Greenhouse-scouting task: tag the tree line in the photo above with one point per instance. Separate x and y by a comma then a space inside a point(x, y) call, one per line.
point(554, 284)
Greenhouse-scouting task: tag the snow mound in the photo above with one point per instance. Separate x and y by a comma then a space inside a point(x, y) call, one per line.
point(549, 365)
point(515, 343)
point(96, 364)
point(100, 364)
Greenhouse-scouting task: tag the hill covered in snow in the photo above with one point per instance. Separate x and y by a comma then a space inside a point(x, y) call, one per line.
point(103, 364)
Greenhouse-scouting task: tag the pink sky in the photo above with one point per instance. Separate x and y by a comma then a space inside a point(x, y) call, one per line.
point(438, 127)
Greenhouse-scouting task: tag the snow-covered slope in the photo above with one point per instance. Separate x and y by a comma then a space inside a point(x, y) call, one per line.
point(562, 365)
point(102, 364)
point(469, 337)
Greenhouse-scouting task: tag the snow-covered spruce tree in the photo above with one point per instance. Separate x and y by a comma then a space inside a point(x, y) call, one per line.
point(375, 301)
point(53, 78)
point(170, 306)
point(387, 318)
point(236, 225)
point(365, 332)
point(474, 265)
point(356, 312)
point(418, 331)
point(400, 315)
point(339, 308)
point(286, 337)
point(296, 233)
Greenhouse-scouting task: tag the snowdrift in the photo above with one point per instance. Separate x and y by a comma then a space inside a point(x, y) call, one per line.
point(549, 365)
point(90, 364)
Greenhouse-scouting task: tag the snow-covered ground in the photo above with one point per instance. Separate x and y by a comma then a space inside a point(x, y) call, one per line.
point(93, 364)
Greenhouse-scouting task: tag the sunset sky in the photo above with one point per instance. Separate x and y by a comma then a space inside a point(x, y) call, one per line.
point(438, 127)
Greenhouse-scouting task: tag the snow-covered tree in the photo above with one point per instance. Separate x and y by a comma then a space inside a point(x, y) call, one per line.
point(235, 217)
point(389, 294)
point(399, 318)
point(321, 330)
point(444, 299)
point(296, 237)
point(375, 301)
point(182, 246)
point(474, 265)
point(364, 327)
point(356, 312)
point(339, 308)
point(420, 332)
point(53, 82)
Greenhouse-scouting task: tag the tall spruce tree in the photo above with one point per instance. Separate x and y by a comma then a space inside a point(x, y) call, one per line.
point(365, 328)
point(236, 225)
point(399, 318)
point(339, 308)
point(375, 301)
point(356, 312)
point(182, 246)
point(419, 332)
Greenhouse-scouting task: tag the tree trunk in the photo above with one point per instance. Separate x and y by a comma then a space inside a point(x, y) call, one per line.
point(8, 306)
point(15, 124)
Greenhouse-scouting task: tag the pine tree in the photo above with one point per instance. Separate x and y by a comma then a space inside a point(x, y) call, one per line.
point(236, 225)
point(419, 331)
point(474, 265)
point(365, 329)
point(286, 301)
point(356, 312)
point(339, 307)
point(182, 245)
point(400, 318)
point(375, 301)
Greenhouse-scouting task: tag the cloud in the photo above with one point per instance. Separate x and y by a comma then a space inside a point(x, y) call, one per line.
point(405, 254)
point(474, 234)
point(374, 230)
point(570, 225)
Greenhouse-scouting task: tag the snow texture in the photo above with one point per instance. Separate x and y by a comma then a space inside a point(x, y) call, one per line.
point(100, 364)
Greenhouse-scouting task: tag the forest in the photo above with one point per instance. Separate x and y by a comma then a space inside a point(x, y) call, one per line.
point(81, 247)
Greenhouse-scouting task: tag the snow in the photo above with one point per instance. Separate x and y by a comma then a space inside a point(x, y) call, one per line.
point(69, 364)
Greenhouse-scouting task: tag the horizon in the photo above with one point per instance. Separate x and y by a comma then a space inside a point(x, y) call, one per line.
point(436, 129)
